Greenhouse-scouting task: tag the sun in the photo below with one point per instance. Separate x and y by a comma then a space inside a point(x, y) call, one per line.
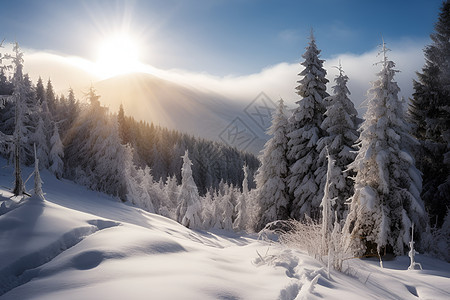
point(117, 54)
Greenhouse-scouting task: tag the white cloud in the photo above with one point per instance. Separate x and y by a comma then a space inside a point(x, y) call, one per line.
point(362, 69)
point(64, 71)
point(279, 81)
point(276, 81)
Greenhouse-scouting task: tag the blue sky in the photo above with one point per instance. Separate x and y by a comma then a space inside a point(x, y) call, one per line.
point(218, 37)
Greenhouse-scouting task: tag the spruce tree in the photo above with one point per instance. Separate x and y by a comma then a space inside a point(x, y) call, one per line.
point(21, 133)
point(56, 153)
point(430, 114)
point(50, 97)
point(122, 125)
point(41, 143)
point(40, 90)
point(241, 221)
point(304, 131)
point(341, 125)
point(272, 193)
point(386, 199)
point(37, 178)
point(188, 210)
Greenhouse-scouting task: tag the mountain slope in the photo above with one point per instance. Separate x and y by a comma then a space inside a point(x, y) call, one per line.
point(80, 244)
point(186, 109)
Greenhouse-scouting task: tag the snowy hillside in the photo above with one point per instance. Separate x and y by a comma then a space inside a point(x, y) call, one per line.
point(80, 244)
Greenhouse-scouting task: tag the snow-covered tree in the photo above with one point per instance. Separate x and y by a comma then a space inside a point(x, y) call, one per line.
point(188, 210)
point(50, 97)
point(56, 153)
point(40, 140)
point(430, 114)
point(217, 209)
point(271, 190)
point(227, 212)
point(304, 131)
point(327, 211)
point(94, 155)
point(109, 158)
point(341, 124)
point(245, 181)
point(172, 190)
point(37, 178)
point(138, 183)
point(241, 221)
point(386, 199)
point(40, 91)
point(21, 132)
point(208, 210)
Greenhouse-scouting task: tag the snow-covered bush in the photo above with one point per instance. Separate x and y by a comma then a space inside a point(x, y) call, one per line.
point(307, 235)
point(304, 235)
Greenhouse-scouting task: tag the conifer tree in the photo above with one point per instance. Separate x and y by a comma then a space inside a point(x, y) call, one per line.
point(37, 178)
point(272, 193)
point(109, 158)
point(430, 114)
point(241, 221)
point(40, 91)
point(138, 186)
point(41, 143)
point(122, 125)
point(70, 114)
point(386, 199)
point(327, 211)
point(50, 97)
point(56, 153)
point(188, 210)
point(227, 211)
point(172, 190)
point(21, 111)
point(304, 131)
point(341, 125)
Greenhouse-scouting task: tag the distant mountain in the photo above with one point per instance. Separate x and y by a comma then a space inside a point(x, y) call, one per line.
point(186, 109)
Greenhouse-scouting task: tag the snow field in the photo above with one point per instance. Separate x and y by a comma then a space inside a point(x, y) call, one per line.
point(80, 244)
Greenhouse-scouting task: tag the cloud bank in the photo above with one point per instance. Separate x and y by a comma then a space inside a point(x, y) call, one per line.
point(276, 81)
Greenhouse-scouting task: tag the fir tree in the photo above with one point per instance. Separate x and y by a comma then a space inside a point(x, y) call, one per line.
point(327, 211)
point(70, 114)
point(387, 185)
point(430, 114)
point(41, 143)
point(341, 124)
point(37, 178)
point(122, 129)
point(188, 210)
point(272, 193)
point(138, 185)
point(50, 97)
point(56, 153)
point(40, 91)
point(304, 131)
point(21, 133)
point(241, 221)
point(109, 158)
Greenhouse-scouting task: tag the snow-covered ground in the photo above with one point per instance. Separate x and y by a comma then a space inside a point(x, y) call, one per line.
point(80, 244)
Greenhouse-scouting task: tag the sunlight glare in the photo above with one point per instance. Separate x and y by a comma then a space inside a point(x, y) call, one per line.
point(117, 55)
